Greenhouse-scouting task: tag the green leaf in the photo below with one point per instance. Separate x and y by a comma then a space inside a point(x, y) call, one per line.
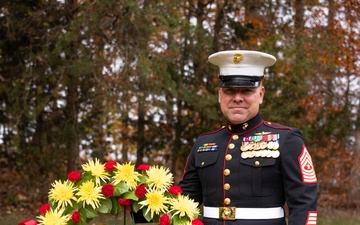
point(90, 212)
point(68, 210)
point(131, 195)
point(85, 177)
point(136, 206)
point(143, 178)
point(120, 189)
point(77, 205)
point(115, 206)
point(106, 205)
point(156, 218)
point(82, 218)
point(178, 220)
point(147, 216)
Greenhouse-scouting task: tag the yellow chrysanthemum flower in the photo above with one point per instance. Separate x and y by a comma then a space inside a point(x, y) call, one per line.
point(97, 170)
point(156, 201)
point(159, 177)
point(184, 206)
point(126, 172)
point(53, 217)
point(62, 193)
point(90, 194)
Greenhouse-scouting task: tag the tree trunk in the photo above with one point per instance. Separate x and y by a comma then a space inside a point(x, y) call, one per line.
point(141, 124)
point(71, 134)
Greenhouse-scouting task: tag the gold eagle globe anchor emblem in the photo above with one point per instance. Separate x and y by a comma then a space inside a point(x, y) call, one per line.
point(237, 58)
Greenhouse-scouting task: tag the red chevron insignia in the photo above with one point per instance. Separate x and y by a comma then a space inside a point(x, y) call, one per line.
point(311, 218)
point(306, 167)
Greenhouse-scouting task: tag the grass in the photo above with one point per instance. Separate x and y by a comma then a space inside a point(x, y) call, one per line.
point(338, 217)
point(328, 217)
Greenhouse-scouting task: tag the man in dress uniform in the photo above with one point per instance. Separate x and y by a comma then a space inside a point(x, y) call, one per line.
point(244, 172)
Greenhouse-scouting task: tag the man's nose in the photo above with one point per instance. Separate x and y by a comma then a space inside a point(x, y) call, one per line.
point(238, 97)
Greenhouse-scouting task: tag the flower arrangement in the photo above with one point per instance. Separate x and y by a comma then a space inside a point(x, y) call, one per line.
point(113, 187)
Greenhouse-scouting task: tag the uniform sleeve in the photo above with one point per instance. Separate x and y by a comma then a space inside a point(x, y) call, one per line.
point(190, 183)
point(300, 180)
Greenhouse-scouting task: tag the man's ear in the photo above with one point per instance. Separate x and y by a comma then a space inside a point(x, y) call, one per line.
point(219, 93)
point(262, 94)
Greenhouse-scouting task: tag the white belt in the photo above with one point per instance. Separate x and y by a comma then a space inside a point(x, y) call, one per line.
point(232, 213)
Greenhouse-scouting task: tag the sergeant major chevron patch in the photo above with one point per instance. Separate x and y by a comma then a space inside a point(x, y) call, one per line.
point(306, 167)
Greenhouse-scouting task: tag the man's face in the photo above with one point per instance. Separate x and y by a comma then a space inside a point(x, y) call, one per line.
point(239, 105)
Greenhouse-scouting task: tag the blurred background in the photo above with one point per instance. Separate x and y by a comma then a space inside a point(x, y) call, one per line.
point(129, 80)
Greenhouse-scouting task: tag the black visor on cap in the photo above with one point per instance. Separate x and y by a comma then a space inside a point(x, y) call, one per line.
point(240, 81)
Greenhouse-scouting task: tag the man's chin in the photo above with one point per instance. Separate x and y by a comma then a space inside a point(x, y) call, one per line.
point(237, 120)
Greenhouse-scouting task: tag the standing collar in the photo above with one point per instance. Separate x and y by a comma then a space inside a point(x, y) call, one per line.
point(244, 127)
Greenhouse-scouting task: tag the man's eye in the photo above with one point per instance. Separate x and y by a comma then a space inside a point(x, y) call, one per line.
point(229, 91)
point(245, 91)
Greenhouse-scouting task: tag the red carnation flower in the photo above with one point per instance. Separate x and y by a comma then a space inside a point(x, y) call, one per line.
point(110, 166)
point(175, 190)
point(74, 176)
point(197, 222)
point(75, 217)
point(44, 208)
point(108, 190)
point(124, 202)
point(164, 220)
point(29, 222)
point(143, 167)
point(140, 191)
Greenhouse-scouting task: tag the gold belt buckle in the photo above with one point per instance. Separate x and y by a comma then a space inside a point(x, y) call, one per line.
point(227, 213)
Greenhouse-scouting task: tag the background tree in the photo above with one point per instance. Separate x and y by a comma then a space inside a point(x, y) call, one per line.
point(129, 80)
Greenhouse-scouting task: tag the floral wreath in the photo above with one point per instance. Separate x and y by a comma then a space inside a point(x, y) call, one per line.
point(112, 187)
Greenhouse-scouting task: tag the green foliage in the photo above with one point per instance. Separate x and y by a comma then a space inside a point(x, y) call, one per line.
point(132, 78)
point(106, 205)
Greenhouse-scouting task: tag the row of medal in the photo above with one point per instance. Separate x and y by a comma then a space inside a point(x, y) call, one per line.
point(260, 153)
point(260, 146)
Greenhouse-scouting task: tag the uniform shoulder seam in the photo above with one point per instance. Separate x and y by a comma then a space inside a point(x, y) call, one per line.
point(277, 125)
point(213, 132)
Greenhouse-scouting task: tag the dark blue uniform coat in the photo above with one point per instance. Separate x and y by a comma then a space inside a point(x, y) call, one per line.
point(216, 173)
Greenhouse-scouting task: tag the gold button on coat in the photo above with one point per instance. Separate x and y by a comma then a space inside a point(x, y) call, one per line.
point(257, 163)
point(202, 163)
point(228, 157)
point(231, 146)
point(227, 201)
point(244, 126)
point(235, 137)
point(227, 186)
point(226, 172)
